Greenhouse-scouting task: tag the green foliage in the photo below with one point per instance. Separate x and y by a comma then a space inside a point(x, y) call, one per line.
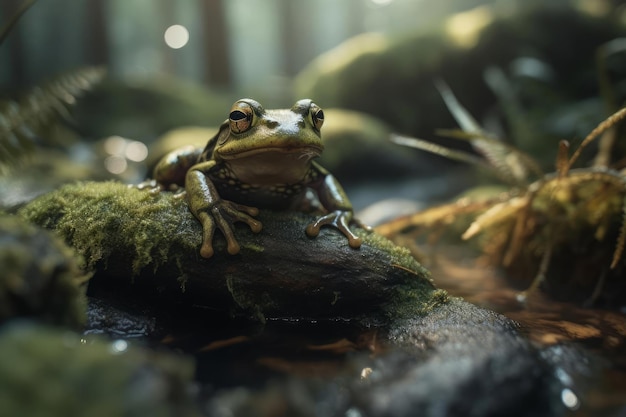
point(25, 122)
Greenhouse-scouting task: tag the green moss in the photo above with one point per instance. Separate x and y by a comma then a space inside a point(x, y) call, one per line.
point(412, 302)
point(40, 277)
point(415, 297)
point(47, 372)
point(400, 256)
point(97, 218)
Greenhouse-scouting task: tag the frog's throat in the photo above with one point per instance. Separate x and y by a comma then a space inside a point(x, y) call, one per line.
point(271, 168)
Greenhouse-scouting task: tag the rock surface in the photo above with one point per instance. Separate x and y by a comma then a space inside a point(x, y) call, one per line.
point(149, 245)
point(459, 360)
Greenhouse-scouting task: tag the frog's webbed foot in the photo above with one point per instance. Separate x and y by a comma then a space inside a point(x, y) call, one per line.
point(340, 219)
point(222, 214)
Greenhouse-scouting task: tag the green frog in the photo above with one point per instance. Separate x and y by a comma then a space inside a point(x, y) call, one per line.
point(258, 159)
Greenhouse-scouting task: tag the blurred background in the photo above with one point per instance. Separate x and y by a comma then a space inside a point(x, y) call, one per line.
point(243, 45)
point(532, 72)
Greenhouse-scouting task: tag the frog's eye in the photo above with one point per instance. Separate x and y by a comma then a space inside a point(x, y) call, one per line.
point(317, 116)
point(240, 117)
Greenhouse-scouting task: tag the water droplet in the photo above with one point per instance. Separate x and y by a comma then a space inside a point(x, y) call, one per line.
point(570, 399)
point(119, 346)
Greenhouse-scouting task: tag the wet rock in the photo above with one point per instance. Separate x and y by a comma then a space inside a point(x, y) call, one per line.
point(459, 360)
point(40, 277)
point(119, 320)
point(50, 372)
point(148, 245)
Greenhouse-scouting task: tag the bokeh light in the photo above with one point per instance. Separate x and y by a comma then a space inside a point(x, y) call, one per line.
point(176, 36)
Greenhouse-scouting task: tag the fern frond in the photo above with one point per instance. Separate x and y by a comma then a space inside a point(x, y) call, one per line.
point(427, 146)
point(23, 122)
point(608, 123)
point(514, 166)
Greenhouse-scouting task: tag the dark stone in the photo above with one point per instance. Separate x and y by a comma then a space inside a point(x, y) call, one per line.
point(119, 320)
point(461, 360)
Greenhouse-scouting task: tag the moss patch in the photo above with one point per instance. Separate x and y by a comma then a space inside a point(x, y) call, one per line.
point(97, 218)
point(47, 372)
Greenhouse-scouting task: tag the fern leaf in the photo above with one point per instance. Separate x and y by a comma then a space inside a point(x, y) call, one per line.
point(23, 123)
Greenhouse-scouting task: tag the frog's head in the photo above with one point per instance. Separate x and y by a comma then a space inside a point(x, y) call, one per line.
point(252, 131)
point(269, 146)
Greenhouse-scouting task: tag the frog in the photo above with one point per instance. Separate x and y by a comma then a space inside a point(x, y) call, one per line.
point(258, 159)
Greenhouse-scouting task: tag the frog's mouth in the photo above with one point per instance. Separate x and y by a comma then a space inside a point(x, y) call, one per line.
point(306, 153)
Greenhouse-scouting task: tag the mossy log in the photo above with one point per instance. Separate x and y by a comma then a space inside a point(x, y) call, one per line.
point(148, 245)
point(40, 278)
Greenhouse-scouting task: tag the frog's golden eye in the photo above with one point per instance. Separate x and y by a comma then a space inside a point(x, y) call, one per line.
point(317, 116)
point(240, 117)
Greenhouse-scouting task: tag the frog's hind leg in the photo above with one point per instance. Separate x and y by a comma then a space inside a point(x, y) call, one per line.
point(173, 167)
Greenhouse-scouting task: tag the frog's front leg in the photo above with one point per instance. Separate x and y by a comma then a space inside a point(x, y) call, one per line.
point(212, 211)
point(335, 201)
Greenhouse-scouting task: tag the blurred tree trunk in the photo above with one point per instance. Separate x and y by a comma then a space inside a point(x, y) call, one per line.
point(291, 33)
point(216, 39)
point(97, 50)
point(14, 43)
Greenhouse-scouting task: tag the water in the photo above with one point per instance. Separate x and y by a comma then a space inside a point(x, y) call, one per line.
point(551, 325)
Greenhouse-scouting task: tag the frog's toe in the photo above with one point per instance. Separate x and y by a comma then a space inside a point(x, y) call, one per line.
point(232, 246)
point(208, 229)
point(313, 229)
point(241, 213)
point(206, 250)
point(353, 240)
point(339, 219)
point(251, 211)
